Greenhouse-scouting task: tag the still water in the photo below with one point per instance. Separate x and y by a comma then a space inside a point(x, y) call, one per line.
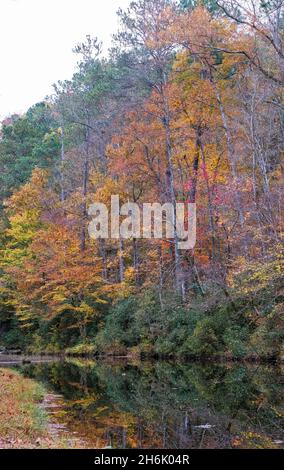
point(119, 404)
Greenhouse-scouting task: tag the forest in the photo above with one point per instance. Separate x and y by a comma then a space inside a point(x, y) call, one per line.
point(187, 106)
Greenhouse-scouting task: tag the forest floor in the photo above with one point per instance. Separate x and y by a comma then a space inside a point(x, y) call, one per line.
point(24, 419)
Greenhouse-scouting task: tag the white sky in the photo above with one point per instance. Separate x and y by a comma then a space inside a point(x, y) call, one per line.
point(36, 41)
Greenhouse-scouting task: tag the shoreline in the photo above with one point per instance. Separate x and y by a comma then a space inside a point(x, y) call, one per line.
point(42, 357)
point(25, 420)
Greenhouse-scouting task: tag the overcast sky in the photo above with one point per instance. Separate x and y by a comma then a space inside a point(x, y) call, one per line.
point(36, 41)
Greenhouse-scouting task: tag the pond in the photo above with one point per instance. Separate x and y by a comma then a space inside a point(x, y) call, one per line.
point(121, 404)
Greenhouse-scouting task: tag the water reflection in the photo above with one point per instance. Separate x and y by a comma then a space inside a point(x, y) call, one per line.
point(163, 405)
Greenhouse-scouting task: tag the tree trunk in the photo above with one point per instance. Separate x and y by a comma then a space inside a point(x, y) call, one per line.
point(171, 195)
point(85, 182)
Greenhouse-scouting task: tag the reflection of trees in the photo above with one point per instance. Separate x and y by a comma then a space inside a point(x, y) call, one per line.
point(166, 405)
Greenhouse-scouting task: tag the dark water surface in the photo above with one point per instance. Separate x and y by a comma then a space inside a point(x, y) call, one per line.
point(165, 405)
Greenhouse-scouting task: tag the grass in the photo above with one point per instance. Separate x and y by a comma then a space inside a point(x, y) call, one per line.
point(22, 419)
point(24, 423)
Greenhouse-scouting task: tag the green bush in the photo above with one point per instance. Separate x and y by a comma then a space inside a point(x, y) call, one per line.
point(268, 338)
point(204, 341)
point(236, 340)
